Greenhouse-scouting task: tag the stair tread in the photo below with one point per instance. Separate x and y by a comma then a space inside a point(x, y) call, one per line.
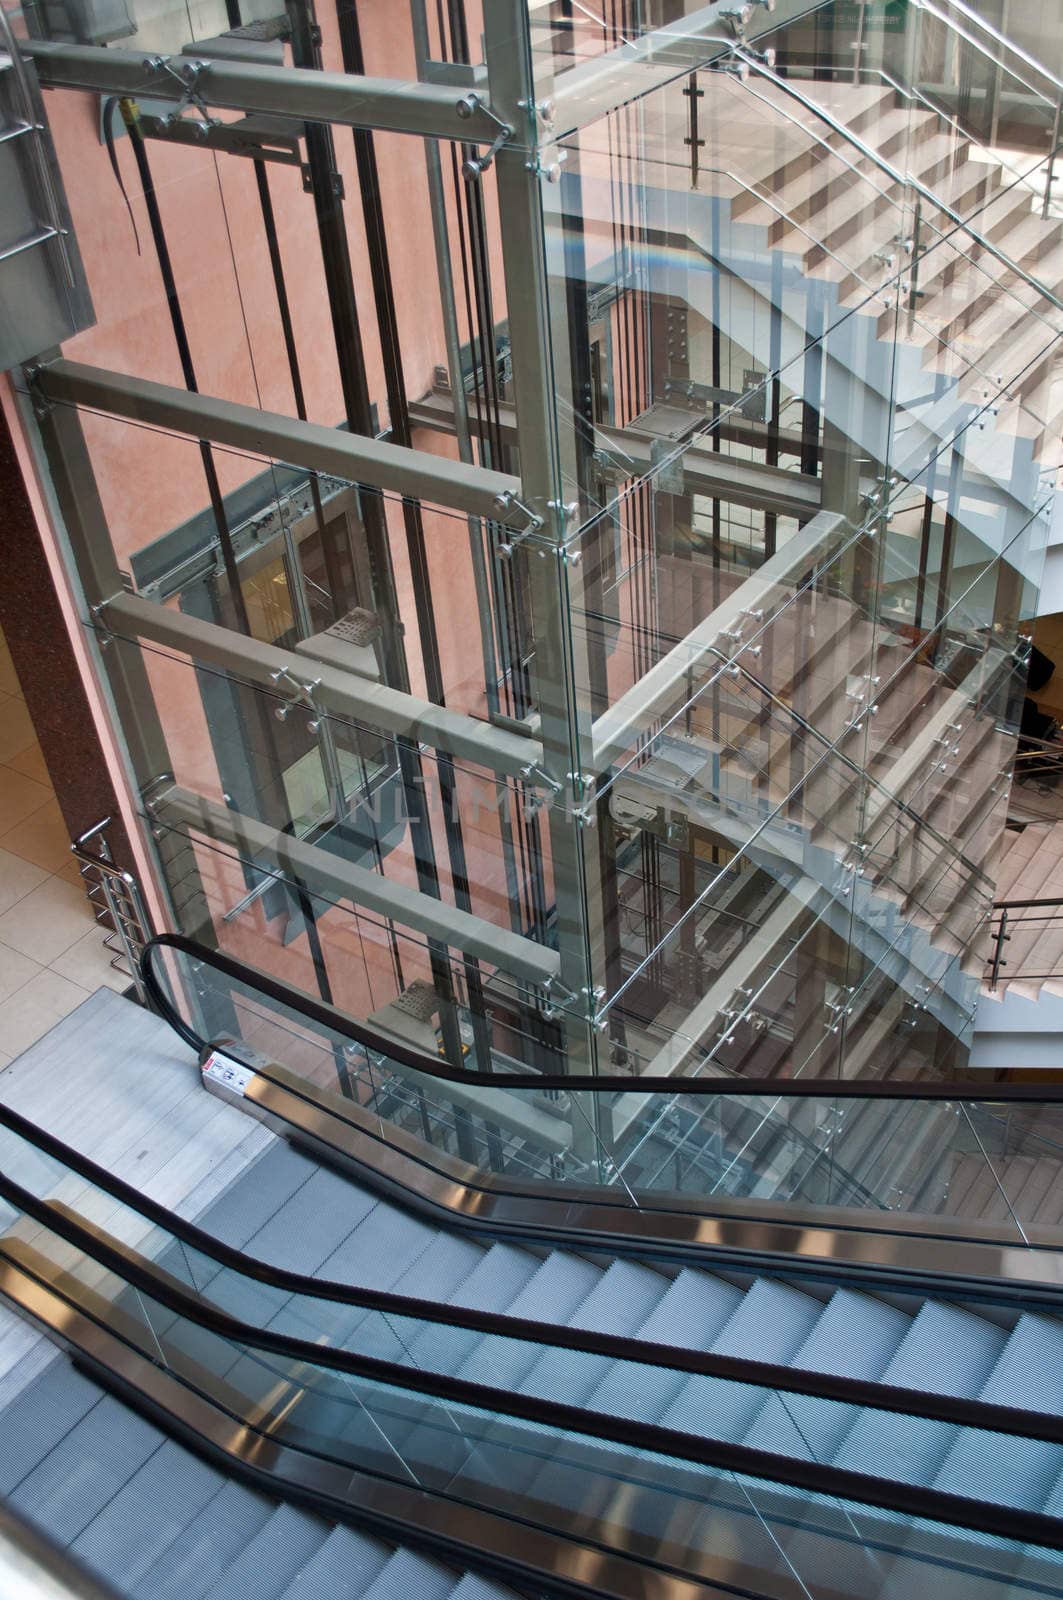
point(945, 1351)
point(1028, 1374)
point(86, 1468)
point(149, 1513)
point(406, 1574)
point(270, 1560)
point(342, 1568)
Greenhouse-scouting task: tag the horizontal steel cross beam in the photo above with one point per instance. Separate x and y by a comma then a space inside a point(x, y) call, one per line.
point(600, 84)
point(336, 691)
point(441, 111)
point(370, 462)
point(325, 874)
point(705, 471)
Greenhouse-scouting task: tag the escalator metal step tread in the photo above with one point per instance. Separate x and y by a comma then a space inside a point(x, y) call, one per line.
point(689, 1315)
point(620, 1302)
point(497, 1279)
point(148, 1514)
point(770, 1323)
point(341, 1569)
point(493, 1284)
point(383, 1246)
point(945, 1351)
point(440, 1273)
point(270, 1560)
point(39, 1417)
point(1054, 1499)
point(256, 1194)
point(86, 1469)
point(473, 1587)
point(1019, 1472)
point(855, 1337)
point(555, 1292)
point(408, 1576)
point(312, 1224)
point(208, 1546)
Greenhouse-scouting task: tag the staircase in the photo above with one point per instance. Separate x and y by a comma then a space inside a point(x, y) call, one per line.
point(793, 217)
point(1031, 868)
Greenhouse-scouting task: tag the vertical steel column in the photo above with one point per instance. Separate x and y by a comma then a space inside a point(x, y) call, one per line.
point(535, 318)
point(327, 188)
point(81, 512)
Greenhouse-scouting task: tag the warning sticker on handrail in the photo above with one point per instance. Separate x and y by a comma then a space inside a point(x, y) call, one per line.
point(227, 1073)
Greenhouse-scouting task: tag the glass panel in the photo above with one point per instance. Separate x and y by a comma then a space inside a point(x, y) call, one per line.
point(647, 1505)
point(896, 1016)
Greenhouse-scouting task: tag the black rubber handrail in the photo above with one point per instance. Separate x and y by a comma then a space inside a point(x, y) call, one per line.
point(910, 1500)
point(370, 1038)
point(984, 1415)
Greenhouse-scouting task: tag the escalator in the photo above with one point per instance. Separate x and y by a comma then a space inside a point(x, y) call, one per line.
point(329, 1385)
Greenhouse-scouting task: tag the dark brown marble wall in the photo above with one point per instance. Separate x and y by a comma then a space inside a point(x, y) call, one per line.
point(43, 657)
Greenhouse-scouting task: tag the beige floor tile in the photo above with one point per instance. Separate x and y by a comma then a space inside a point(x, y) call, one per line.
point(9, 683)
point(16, 970)
point(42, 838)
point(16, 728)
point(5, 1060)
point(31, 762)
point(47, 921)
point(88, 962)
point(71, 871)
point(17, 878)
point(19, 797)
point(36, 1007)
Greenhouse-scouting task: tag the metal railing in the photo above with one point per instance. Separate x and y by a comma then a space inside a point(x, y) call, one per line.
point(117, 903)
point(1008, 918)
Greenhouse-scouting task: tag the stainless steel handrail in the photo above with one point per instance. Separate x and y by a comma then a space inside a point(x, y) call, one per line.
point(998, 38)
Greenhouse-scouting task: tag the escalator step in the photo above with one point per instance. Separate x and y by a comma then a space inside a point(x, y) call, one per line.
point(472, 1587)
point(86, 1469)
point(1018, 1472)
point(771, 1323)
point(312, 1224)
point(148, 1514)
point(271, 1559)
point(342, 1569)
point(383, 1246)
point(620, 1302)
point(689, 1316)
point(493, 1285)
point(408, 1576)
point(259, 1191)
point(855, 1337)
point(945, 1351)
point(39, 1417)
point(207, 1547)
point(554, 1293)
point(440, 1273)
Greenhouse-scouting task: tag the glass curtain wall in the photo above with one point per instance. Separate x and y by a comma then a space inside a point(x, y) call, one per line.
point(556, 491)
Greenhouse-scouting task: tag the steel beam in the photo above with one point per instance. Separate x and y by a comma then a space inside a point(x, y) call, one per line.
point(705, 471)
point(370, 462)
point(651, 697)
point(536, 316)
point(75, 501)
point(594, 87)
point(439, 111)
point(326, 875)
point(333, 690)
